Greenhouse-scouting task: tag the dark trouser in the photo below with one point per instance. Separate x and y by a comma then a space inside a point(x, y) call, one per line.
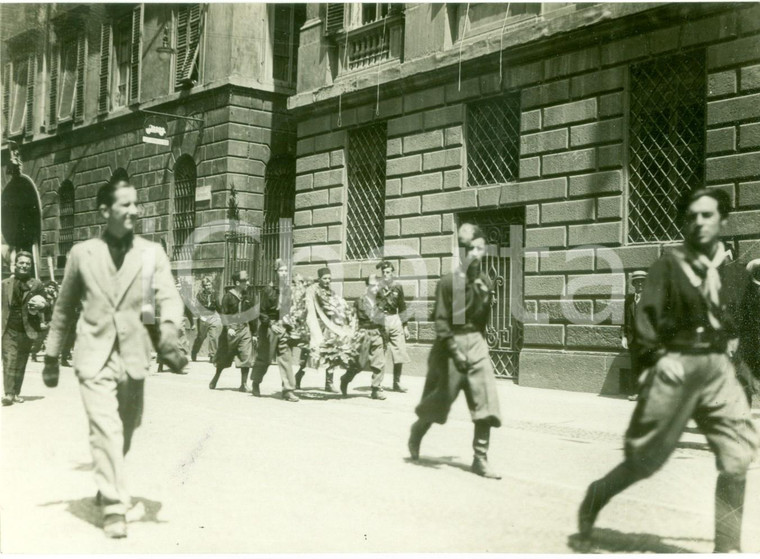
point(272, 346)
point(377, 376)
point(709, 393)
point(371, 355)
point(629, 380)
point(16, 348)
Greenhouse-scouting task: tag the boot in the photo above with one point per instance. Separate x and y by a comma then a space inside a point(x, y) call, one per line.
point(480, 444)
point(288, 396)
point(299, 376)
point(344, 380)
point(243, 380)
point(729, 508)
point(329, 383)
point(255, 389)
point(419, 428)
point(212, 384)
point(599, 494)
point(378, 394)
point(396, 379)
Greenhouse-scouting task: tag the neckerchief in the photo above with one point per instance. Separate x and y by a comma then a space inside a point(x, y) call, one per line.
point(702, 273)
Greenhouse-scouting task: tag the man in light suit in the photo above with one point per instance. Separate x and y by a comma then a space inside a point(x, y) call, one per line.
point(116, 277)
point(21, 324)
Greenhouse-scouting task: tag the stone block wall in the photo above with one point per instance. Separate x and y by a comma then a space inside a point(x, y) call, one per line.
point(241, 130)
point(572, 183)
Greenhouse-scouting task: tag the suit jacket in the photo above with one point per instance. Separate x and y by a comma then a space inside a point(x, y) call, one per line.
point(31, 322)
point(112, 305)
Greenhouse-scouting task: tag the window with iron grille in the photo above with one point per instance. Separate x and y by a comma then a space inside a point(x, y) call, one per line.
point(667, 142)
point(65, 221)
point(493, 140)
point(365, 216)
point(185, 176)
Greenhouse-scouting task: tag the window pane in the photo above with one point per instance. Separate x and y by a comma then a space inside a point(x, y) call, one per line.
point(122, 43)
point(666, 153)
point(18, 102)
point(67, 79)
point(493, 140)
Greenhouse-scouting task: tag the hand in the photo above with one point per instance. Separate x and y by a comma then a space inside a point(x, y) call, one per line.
point(732, 347)
point(51, 372)
point(407, 335)
point(460, 361)
point(277, 329)
point(169, 350)
point(624, 341)
point(671, 369)
point(231, 332)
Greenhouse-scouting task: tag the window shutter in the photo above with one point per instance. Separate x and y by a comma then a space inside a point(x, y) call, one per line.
point(188, 43)
point(30, 78)
point(105, 67)
point(81, 61)
point(136, 55)
point(52, 120)
point(334, 19)
point(7, 76)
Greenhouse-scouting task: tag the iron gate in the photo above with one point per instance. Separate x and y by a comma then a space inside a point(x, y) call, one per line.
point(504, 267)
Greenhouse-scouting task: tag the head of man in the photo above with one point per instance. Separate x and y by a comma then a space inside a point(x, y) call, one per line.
point(324, 277)
point(386, 269)
point(50, 288)
point(472, 241)
point(373, 284)
point(117, 202)
point(638, 278)
point(240, 279)
point(23, 264)
point(206, 285)
point(702, 214)
point(281, 267)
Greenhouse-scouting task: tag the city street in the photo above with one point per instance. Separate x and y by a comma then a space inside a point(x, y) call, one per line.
point(225, 472)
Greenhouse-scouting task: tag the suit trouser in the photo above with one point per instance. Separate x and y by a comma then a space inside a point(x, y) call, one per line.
point(271, 345)
point(629, 384)
point(212, 329)
point(114, 403)
point(16, 348)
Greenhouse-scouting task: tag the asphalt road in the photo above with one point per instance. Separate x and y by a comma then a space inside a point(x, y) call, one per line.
point(226, 472)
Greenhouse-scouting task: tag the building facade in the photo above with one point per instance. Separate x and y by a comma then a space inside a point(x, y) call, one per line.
point(81, 88)
point(567, 130)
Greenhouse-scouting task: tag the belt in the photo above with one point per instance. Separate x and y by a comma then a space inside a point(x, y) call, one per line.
point(698, 341)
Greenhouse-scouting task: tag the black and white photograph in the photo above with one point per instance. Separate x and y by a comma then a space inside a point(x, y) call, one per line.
point(380, 278)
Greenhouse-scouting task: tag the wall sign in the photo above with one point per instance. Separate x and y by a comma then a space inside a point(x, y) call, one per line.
point(155, 131)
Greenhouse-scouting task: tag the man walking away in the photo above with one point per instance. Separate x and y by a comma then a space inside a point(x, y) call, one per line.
point(684, 326)
point(110, 276)
point(459, 358)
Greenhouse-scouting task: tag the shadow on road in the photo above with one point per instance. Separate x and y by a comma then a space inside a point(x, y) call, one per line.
point(33, 398)
point(86, 509)
point(436, 463)
point(605, 540)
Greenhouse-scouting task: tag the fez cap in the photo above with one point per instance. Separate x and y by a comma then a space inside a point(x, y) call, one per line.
point(638, 275)
point(324, 271)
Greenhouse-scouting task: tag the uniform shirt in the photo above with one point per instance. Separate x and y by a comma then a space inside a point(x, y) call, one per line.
point(391, 301)
point(671, 305)
point(368, 315)
point(273, 302)
point(234, 303)
point(477, 304)
point(208, 301)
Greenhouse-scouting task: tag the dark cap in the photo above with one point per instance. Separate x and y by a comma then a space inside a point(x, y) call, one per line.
point(324, 271)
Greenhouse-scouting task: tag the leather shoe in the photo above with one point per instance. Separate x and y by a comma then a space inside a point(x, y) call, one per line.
point(398, 388)
point(115, 526)
point(378, 394)
point(242, 388)
point(344, 385)
point(290, 397)
point(8, 400)
point(255, 390)
point(18, 399)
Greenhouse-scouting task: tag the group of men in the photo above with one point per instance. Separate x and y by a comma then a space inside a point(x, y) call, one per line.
point(695, 319)
point(315, 319)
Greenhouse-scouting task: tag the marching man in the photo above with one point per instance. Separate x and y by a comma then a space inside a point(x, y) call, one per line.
point(392, 303)
point(460, 359)
point(684, 323)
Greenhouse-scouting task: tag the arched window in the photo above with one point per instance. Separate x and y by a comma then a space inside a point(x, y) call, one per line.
point(279, 207)
point(183, 220)
point(65, 221)
point(21, 217)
